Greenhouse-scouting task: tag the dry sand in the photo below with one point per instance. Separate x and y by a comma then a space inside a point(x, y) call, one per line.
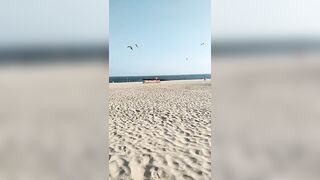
point(52, 122)
point(160, 131)
point(266, 118)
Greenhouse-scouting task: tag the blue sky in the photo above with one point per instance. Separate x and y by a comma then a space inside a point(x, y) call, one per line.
point(166, 31)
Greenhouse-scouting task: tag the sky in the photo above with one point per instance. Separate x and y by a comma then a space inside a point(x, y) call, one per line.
point(34, 22)
point(82, 21)
point(167, 32)
point(256, 19)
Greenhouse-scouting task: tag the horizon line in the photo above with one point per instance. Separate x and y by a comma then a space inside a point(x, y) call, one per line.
point(160, 75)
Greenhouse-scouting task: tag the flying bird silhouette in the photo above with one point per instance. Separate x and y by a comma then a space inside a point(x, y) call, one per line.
point(136, 45)
point(201, 44)
point(130, 47)
point(186, 59)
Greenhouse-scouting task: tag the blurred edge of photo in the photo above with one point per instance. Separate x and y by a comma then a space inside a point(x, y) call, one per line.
point(53, 78)
point(266, 72)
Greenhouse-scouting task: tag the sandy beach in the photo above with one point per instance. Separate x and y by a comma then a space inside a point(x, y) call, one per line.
point(266, 117)
point(52, 123)
point(160, 131)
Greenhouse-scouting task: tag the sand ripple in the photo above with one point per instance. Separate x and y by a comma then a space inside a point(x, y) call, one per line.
point(160, 131)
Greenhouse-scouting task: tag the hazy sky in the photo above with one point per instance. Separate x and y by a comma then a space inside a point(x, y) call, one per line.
point(60, 21)
point(234, 19)
point(25, 22)
point(166, 31)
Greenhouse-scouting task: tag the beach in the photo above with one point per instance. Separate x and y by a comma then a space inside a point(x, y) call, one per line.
point(52, 123)
point(266, 117)
point(160, 130)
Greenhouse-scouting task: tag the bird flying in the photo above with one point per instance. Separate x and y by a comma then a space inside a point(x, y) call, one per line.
point(130, 47)
point(136, 45)
point(201, 44)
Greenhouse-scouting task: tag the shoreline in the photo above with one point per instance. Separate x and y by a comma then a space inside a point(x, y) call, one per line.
point(165, 81)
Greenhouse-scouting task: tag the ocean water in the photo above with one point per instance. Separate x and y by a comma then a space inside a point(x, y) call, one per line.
point(119, 79)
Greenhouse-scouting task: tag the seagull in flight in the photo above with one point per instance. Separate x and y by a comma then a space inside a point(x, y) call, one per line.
point(201, 44)
point(130, 47)
point(186, 59)
point(136, 45)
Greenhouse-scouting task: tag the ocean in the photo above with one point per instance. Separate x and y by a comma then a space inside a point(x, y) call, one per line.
point(120, 79)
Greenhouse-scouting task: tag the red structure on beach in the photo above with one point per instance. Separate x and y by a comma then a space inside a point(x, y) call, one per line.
point(155, 80)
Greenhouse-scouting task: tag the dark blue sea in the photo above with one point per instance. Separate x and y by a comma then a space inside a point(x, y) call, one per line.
point(120, 79)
